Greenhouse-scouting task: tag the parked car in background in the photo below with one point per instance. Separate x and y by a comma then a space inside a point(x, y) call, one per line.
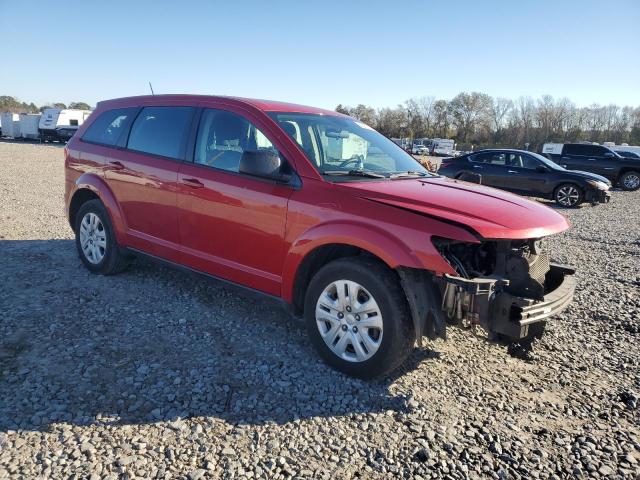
point(441, 147)
point(627, 154)
point(419, 149)
point(598, 159)
point(318, 210)
point(528, 173)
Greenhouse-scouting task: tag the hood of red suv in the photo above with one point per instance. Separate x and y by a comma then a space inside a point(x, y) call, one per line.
point(491, 213)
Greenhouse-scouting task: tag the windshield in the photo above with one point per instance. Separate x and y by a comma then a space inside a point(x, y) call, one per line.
point(345, 146)
point(549, 163)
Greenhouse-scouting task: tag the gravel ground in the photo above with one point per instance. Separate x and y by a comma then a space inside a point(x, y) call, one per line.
point(156, 373)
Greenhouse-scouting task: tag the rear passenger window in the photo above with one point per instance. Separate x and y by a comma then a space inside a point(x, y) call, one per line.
point(108, 127)
point(493, 158)
point(160, 131)
point(584, 150)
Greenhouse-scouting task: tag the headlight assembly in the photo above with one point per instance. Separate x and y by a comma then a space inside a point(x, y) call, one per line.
point(598, 184)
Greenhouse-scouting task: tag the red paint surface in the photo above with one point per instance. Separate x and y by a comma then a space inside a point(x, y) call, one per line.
point(256, 232)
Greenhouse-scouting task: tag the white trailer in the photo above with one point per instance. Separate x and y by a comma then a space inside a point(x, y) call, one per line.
point(10, 124)
point(29, 123)
point(56, 123)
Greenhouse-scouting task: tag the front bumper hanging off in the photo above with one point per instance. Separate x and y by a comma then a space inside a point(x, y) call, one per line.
point(597, 196)
point(485, 301)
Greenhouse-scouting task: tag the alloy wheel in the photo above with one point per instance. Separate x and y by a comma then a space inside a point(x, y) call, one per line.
point(349, 320)
point(568, 196)
point(93, 238)
point(632, 181)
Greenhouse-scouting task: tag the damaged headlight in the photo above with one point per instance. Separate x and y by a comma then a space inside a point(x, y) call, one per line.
point(598, 184)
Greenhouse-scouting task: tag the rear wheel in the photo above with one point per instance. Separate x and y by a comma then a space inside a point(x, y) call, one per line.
point(96, 242)
point(357, 317)
point(569, 195)
point(630, 180)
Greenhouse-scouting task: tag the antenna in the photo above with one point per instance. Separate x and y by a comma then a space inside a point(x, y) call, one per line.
point(151, 87)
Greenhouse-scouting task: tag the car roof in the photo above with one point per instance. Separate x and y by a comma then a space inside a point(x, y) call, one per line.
point(497, 150)
point(264, 105)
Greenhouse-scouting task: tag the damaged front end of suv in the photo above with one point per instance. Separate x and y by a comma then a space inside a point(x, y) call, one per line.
point(508, 287)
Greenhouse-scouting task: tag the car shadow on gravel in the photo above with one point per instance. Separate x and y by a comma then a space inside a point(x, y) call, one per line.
point(155, 344)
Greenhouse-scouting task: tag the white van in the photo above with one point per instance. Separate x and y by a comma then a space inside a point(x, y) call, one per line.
point(442, 147)
point(60, 124)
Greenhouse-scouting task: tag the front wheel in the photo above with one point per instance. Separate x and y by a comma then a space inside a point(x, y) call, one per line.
point(569, 195)
point(630, 181)
point(357, 317)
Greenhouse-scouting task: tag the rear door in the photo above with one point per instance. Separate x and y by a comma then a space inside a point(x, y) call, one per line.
point(143, 178)
point(232, 225)
point(491, 166)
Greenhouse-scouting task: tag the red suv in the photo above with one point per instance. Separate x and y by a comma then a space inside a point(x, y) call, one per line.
point(314, 208)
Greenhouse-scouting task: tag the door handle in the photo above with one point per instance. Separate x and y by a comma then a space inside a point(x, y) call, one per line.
point(478, 166)
point(512, 171)
point(192, 182)
point(592, 159)
point(115, 165)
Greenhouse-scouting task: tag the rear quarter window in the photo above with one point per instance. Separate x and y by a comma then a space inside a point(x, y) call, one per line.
point(160, 131)
point(108, 127)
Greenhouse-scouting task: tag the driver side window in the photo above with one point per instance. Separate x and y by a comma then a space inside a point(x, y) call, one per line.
point(520, 160)
point(224, 136)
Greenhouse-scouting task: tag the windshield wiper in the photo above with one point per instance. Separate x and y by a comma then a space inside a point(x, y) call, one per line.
point(353, 173)
point(408, 174)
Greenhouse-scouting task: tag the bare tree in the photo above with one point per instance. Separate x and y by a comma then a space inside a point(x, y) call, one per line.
point(469, 112)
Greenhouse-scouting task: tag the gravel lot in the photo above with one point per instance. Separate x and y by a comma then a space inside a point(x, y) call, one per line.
point(156, 373)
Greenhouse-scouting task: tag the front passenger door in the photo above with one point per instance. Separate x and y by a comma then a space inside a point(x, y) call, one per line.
point(526, 175)
point(231, 225)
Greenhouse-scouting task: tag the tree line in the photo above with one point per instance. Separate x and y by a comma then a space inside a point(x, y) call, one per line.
point(477, 120)
point(13, 105)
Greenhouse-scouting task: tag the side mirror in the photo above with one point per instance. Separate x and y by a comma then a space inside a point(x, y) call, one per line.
point(609, 154)
point(263, 164)
point(541, 169)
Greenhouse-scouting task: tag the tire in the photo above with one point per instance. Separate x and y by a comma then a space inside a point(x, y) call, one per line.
point(105, 257)
point(630, 181)
point(568, 195)
point(386, 347)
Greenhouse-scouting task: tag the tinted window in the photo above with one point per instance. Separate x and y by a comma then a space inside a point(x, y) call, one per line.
point(107, 128)
point(494, 158)
point(584, 150)
point(160, 130)
point(521, 160)
point(627, 154)
point(224, 136)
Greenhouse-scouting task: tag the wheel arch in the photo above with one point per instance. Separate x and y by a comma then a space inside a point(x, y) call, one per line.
point(330, 242)
point(89, 187)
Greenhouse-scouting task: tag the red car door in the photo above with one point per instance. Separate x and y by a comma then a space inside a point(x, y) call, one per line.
point(231, 225)
point(143, 178)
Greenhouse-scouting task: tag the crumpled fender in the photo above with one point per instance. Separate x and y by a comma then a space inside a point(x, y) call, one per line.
point(380, 243)
point(97, 185)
